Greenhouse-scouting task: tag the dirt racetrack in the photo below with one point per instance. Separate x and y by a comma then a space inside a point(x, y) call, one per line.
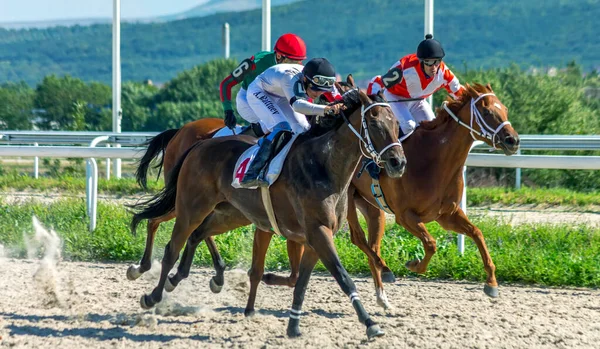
point(92, 305)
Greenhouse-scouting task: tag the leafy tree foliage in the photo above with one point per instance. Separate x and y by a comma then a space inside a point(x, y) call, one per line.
point(16, 106)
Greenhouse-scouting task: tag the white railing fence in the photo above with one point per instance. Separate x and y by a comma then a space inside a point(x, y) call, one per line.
point(529, 142)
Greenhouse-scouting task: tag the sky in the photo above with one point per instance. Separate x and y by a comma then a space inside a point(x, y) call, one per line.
point(44, 10)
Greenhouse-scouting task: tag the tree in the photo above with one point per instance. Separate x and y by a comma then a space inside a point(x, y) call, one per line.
point(60, 98)
point(136, 100)
point(16, 106)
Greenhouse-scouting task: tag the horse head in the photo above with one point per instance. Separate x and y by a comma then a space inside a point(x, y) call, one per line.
point(487, 118)
point(378, 127)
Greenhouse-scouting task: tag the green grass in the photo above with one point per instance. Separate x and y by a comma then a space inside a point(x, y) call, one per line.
point(69, 184)
point(542, 254)
point(475, 196)
point(511, 196)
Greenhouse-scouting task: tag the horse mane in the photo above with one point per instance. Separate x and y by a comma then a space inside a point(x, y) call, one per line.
point(471, 92)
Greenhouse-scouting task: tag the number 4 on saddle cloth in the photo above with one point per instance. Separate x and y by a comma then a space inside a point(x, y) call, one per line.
point(282, 142)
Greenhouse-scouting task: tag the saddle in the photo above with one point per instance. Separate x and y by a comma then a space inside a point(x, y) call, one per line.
point(278, 153)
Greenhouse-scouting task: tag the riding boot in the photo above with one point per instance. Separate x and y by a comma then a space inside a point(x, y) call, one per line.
point(255, 173)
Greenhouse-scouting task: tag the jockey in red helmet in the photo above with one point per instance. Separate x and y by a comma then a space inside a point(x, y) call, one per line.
point(289, 48)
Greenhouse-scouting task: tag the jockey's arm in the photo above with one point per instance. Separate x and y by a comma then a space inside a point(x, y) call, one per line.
point(294, 92)
point(303, 106)
point(452, 85)
point(236, 76)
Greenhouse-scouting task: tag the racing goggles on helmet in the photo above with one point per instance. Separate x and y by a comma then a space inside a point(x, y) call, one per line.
point(432, 62)
point(323, 81)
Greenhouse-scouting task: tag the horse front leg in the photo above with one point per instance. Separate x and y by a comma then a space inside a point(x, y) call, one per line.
point(307, 264)
point(458, 222)
point(357, 236)
point(321, 240)
point(412, 222)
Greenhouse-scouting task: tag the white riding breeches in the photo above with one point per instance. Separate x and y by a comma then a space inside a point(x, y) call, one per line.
point(271, 110)
point(409, 114)
point(243, 108)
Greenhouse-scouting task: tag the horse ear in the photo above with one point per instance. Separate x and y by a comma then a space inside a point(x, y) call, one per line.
point(489, 87)
point(364, 99)
point(350, 80)
point(380, 95)
point(338, 87)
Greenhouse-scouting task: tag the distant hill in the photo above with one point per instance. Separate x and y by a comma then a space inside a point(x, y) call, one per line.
point(217, 6)
point(360, 37)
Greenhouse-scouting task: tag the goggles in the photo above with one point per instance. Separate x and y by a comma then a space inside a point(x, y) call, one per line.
point(322, 81)
point(431, 62)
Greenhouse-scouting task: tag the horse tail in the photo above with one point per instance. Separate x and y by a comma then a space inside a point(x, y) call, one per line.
point(163, 202)
point(156, 145)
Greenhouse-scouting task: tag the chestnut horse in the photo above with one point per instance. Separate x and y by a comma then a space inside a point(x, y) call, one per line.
point(431, 189)
point(309, 198)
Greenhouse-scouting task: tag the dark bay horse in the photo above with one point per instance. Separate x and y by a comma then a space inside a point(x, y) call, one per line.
point(309, 198)
point(431, 189)
point(171, 144)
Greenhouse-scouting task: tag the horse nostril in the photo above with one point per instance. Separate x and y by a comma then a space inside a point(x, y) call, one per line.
point(510, 141)
point(394, 162)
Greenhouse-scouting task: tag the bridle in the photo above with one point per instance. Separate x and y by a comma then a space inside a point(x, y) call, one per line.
point(486, 130)
point(367, 144)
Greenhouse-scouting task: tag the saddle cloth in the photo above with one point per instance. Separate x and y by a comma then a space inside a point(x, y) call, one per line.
point(274, 167)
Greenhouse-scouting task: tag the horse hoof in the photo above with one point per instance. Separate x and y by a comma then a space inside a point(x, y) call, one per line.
point(146, 302)
point(412, 265)
point(374, 331)
point(491, 291)
point(214, 287)
point(384, 304)
point(249, 312)
point(388, 277)
point(133, 272)
point(169, 287)
point(294, 332)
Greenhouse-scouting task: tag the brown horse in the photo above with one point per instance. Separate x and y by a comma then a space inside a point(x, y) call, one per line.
point(172, 144)
point(310, 196)
point(431, 189)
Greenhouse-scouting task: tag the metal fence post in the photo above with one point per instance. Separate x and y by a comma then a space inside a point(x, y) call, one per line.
point(518, 174)
point(36, 164)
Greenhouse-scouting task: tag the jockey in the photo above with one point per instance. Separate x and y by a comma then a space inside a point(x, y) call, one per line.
point(417, 76)
point(281, 96)
point(289, 48)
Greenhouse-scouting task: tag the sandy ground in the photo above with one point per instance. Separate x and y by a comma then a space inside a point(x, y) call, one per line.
point(50, 304)
point(92, 305)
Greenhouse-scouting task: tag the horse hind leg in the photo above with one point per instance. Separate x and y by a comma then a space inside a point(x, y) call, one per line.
point(262, 239)
point(459, 223)
point(295, 251)
point(181, 231)
point(135, 271)
point(412, 222)
point(183, 270)
point(225, 218)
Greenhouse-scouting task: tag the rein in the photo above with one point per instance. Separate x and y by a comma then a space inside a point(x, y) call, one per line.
point(486, 130)
point(366, 139)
